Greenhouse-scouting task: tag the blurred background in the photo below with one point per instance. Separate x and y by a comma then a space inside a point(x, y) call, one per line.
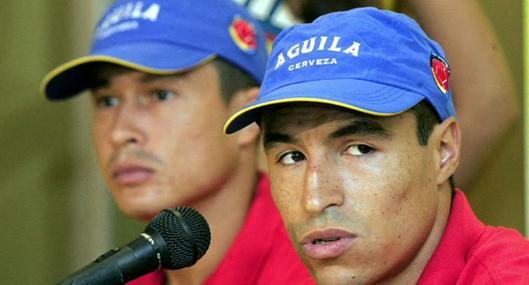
point(55, 213)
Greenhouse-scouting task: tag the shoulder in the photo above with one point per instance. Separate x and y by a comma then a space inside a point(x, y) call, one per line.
point(500, 256)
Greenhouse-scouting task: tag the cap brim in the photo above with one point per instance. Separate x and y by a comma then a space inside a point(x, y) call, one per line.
point(73, 77)
point(358, 95)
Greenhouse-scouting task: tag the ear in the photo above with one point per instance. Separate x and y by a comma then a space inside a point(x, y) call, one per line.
point(248, 135)
point(448, 145)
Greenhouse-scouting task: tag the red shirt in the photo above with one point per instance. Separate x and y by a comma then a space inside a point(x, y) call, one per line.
point(473, 253)
point(261, 253)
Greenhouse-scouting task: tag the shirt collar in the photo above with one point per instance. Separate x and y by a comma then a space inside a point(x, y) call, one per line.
point(461, 232)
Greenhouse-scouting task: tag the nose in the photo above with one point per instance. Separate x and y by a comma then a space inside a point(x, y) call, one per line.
point(126, 128)
point(322, 187)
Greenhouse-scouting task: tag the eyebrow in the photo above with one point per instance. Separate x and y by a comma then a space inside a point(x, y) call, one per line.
point(361, 126)
point(269, 139)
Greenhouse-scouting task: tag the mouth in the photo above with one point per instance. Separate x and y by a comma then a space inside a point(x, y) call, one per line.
point(326, 244)
point(131, 175)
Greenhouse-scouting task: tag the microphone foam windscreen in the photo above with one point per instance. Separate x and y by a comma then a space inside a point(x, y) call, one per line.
point(186, 234)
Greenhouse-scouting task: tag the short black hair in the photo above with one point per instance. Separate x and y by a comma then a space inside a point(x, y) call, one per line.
point(427, 118)
point(232, 79)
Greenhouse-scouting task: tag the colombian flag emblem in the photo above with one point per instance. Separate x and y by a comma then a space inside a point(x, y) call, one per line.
point(441, 72)
point(243, 34)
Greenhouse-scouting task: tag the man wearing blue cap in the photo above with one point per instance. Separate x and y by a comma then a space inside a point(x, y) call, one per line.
point(362, 140)
point(164, 76)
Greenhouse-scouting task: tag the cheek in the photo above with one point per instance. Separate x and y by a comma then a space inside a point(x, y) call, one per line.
point(385, 186)
point(284, 195)
point(102, 145)
point(404, 191)
point(199, 126)
point(401, 171)
point(279, 195)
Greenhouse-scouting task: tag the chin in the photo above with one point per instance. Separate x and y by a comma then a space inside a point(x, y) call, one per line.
point(140, 209)
point(138, 203)
point(338, 276)
point(138, 213)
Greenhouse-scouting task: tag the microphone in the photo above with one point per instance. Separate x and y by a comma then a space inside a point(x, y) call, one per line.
point(174, 239)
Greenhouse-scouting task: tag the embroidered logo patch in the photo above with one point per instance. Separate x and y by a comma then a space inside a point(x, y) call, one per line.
point(243, 34)
point(441, 72)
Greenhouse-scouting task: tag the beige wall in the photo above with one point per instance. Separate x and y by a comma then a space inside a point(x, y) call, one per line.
point(35, 170)
point(41, 147)
point(498, 196)
point(54, 212)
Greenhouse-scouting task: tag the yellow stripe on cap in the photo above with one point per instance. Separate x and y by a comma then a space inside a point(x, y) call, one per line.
point(302, 99)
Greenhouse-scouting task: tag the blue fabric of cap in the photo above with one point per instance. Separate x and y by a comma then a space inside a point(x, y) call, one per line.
point(369, 60)
point(163, 37)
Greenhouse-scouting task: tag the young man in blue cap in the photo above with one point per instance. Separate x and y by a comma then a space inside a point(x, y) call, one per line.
point(479, 86)
point(362, 140)
point(164, 76)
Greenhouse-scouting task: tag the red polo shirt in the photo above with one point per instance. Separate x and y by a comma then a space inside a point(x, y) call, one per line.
point(261, 253)
point(473, 253)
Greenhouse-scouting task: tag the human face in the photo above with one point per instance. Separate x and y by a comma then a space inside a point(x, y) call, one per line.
point(358, 194)
point(159, 139)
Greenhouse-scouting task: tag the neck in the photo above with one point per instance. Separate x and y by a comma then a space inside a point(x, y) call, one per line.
point(225, 211)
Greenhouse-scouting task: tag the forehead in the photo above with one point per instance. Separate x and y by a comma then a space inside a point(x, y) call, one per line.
point(290, 122)
point(102, 74)
point(309, 115)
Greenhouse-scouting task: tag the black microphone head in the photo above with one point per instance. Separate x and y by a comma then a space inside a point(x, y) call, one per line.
point(186, 234)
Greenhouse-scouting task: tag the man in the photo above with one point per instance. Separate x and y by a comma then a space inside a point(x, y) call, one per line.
point(361, 141)
point(164, 75)
point(479, 86)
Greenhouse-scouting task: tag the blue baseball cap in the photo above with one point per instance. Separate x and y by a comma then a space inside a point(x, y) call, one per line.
point(165, 37)
point(369, 60)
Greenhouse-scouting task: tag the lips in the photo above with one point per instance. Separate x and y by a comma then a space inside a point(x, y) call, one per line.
point(325, 244)
point(131, 175)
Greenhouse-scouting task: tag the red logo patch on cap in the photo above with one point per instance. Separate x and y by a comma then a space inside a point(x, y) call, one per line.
point(243, 34)
point(441, 72)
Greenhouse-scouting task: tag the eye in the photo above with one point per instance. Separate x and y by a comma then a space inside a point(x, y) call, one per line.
point(290, 158)
point(163, 95)
point(359, 149)
point(106, 101)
